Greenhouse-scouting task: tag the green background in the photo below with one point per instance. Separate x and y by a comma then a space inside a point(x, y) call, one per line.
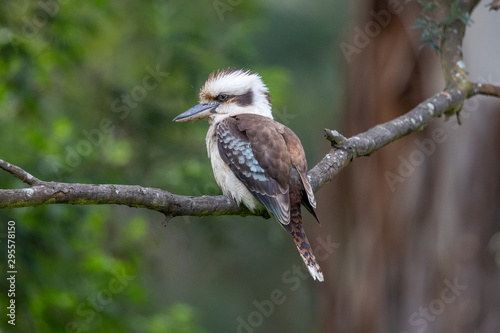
point(66, 69)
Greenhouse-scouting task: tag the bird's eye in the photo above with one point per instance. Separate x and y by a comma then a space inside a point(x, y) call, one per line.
point(222, 97)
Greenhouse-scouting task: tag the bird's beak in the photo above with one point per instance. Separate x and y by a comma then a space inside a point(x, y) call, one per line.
point(197, 112)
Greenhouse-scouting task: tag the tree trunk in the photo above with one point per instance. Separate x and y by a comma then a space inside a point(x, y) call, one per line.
point(418, 221)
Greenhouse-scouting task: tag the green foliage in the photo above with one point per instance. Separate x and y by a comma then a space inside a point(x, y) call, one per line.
point(433, 28)
point(179, 319)
point(88, 93)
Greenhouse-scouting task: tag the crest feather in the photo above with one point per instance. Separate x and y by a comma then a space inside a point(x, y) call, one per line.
point(233, 82)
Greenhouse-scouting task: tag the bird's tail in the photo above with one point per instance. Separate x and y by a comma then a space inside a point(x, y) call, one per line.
point(295, 229)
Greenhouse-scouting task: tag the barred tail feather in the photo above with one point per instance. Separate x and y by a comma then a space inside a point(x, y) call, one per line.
point(299, 236)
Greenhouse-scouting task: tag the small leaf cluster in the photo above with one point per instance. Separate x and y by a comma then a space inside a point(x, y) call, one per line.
point(432, 27)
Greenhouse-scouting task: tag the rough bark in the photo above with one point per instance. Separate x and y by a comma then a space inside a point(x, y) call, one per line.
point(401, 247)
point(447, 102)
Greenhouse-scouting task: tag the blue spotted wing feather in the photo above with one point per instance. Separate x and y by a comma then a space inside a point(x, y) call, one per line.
point(280, 152)
point(268, 158)
point(254, 163)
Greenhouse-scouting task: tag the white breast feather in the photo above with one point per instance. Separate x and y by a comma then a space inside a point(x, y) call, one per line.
point(225, 178)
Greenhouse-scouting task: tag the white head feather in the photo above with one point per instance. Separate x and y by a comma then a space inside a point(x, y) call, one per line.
point(245, 90)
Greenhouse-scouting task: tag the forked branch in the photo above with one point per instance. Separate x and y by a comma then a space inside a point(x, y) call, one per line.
point(344, 150)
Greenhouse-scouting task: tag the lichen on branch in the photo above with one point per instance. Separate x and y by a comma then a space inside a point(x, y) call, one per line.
point(458, 88)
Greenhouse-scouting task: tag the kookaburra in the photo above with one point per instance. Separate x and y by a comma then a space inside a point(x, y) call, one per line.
point(256, 160)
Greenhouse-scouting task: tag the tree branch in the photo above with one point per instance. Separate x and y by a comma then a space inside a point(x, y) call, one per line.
point(19, 173)
point(44, 193)
point(494, 5)
point(344, 150)
point(486, 89)
point(381, 135)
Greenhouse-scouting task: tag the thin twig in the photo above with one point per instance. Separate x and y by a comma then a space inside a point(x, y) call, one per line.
point(343, 152)
point(486, 89)
point(494, 5)
point(447, 102)
point(19, 173)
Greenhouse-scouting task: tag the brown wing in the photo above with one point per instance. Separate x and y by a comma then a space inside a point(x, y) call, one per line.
point(268, 145)
point(255, 127)
point(257, 154)
point(298, 159)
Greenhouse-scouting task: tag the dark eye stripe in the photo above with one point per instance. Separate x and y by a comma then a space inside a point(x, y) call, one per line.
point(242, 100)
point(245, 99)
